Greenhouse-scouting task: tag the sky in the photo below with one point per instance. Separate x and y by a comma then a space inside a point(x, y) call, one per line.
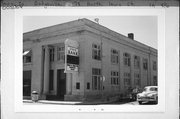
point(143, 27)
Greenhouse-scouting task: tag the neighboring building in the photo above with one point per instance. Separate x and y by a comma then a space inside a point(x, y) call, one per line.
point(122, 62)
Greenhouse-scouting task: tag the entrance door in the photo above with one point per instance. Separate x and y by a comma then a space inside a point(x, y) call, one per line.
point(27, 83)
point(61, 84)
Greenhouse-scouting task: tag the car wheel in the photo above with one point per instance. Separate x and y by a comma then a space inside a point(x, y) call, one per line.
point(157, 100)
point(140, 102)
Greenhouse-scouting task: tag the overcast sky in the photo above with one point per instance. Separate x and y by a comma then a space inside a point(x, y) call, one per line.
point(143, 27)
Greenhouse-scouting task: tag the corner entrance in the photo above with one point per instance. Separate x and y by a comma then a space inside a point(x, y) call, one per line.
point(61, 84)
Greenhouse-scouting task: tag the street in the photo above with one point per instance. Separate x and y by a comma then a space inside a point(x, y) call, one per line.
point(128, 103)
point(132, 103)
point(40, 102)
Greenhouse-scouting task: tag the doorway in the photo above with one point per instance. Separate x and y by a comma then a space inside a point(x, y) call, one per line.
point(61, 84)
point(27, 83)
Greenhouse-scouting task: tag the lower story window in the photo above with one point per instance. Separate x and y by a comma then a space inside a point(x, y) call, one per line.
point(155, 80)
point(127, 79)
point(137, 81)
point(96, 74)
point(114, 77)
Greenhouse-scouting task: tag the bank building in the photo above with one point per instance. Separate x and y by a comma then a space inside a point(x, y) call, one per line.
point(107, 63)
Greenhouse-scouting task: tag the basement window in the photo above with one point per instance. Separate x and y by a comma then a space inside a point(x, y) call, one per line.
point(77, 85)
point(88, 85)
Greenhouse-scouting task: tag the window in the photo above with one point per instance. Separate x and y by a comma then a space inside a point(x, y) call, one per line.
point(145, 64)
point(137, 81)
point(114, 56)
point(51, 79)
point(60, 53)
point(136, 62)
point(96, 74)
point(51, 54)
point(127, 79)
point(77, 85)
point(96, 52)
point(88, 85)
point(154, 65)
point(155, 80)
point(27, 56)
point(114, 77)
point(127, 59)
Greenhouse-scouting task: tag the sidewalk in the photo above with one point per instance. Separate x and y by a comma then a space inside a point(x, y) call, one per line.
point(52, 102)
point(67, 102)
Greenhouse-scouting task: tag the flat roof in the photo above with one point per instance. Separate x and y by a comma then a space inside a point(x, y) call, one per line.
point(89, 23)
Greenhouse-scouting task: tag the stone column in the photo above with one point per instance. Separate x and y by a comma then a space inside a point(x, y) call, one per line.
point(68, 83)
point(46, 71)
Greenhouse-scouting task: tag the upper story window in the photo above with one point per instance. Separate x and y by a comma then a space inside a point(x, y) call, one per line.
point(136, 61)
point(96, 52)
point(127, 59)
point(27, 56)
point(145, 64)
point(51, 54)
point(114, 77)
point(60, 53)
point(154, 65)
point(114, 56)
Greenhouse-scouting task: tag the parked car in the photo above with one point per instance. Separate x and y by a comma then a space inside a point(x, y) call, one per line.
point(149, 94)
point(133, 93)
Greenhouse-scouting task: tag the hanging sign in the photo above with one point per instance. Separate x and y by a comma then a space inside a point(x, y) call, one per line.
point(71, 56)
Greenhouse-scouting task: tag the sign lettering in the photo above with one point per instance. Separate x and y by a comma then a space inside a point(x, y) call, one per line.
point(71, 56)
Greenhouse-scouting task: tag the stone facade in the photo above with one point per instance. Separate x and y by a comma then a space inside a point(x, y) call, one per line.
point(115, 74)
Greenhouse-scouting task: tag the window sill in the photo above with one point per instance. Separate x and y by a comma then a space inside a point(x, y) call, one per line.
point(27, 63)
point(114, 85)
point(114, 63)
point(126, 66)
point(58, 61)
point(97, 59)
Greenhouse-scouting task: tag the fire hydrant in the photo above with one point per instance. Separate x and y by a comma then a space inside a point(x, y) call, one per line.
point(34, 96)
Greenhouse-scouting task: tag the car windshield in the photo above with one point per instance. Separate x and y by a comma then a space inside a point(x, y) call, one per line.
point(145, 89)
point(150, 89)
point(153, 89)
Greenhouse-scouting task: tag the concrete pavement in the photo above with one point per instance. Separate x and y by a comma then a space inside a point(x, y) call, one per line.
point(51, 102)
point(81, 103)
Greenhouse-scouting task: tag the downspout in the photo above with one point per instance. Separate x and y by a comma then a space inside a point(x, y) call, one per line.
point(42, 71)
point(149, 67)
